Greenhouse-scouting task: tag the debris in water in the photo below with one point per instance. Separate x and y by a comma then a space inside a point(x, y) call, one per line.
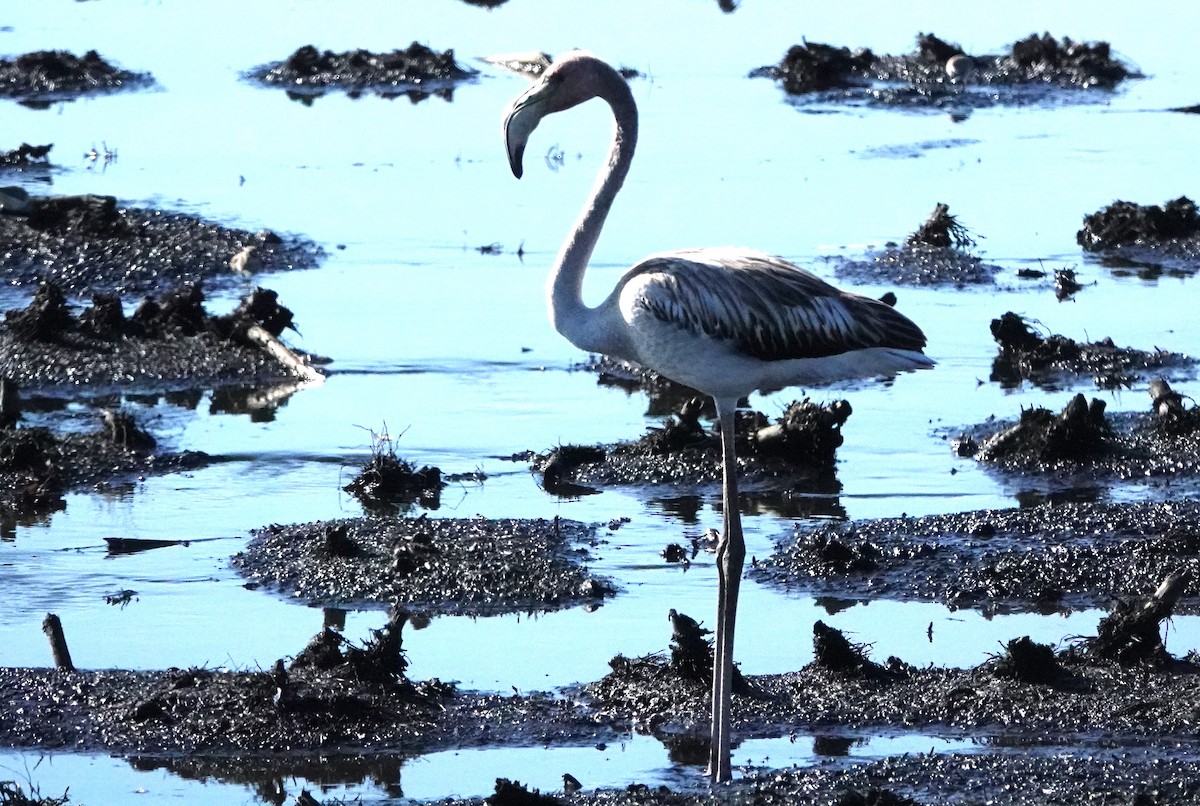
point(389, 484)
point(1131, 632)
point(1029, 662)
point(1025, 355)
point(943, 230)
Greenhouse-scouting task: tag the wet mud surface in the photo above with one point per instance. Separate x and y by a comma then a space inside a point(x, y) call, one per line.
point(94, 243)
point(415, 72)
point(1158, 237)
point(169, 342)
point(46, 75)
point(935, 254)
point(798, 445)
point(941, 75)
point(1135, 721)
point(459, 566)
point(1054, 360)
point(1044, 558)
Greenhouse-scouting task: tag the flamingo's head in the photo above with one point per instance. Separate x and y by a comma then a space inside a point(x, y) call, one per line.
point(572, 79)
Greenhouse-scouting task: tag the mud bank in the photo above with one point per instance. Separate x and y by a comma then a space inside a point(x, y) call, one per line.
point(54, 75)
point(457, 566)
point(168, 343)
point(798, 446)
point(1154, 237)
point(94, 243)
point(1054, 360)
point(1044, 558)
point(1018, 776)
point(416, 72)
point(1131, 721)
point(936, 253)
point(941, 75)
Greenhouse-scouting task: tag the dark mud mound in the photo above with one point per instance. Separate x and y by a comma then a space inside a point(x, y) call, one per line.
point(935, 254)
point(1051, 361)
point(416, 72)
point(91, 243)
point(1083, 444)
point(941, 75)
point(38, 466)
point(799, 445)
point(167, 343)
point(1078, 433)
point(1043, 558)
point(48, 75)
point(25, 157)
point(1125, 233)
point(456, 566)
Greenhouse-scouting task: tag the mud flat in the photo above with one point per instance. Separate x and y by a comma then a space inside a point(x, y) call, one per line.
point(94, 243)
point(1127, 729)
point(1045, 558)
point(38, 466)
point(469, 567)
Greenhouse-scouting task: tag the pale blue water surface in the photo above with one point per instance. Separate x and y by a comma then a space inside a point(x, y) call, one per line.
point(450, 348)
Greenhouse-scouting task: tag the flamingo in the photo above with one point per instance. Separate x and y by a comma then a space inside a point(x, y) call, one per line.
point(726, 322)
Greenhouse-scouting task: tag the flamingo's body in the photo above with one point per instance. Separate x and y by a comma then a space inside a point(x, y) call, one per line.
point(726, 322)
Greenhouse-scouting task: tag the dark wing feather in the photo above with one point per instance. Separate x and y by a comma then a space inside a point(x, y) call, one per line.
point(769, 308)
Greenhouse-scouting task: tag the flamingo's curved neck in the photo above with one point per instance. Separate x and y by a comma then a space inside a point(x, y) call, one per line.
point(583, 326)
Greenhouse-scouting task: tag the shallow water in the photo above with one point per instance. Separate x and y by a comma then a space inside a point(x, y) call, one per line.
point(449, 349)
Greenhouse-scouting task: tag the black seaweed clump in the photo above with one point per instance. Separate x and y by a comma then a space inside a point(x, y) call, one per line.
point(1125, 222)
point(936, 253)
point(815, 67)
point(310, 69)
point(1084, 64)
point(514, 793)
point(926, 77)
point(178, 312)
point(169, 342)
point(834, 652)
point(1028, 661)
point(1079, 432)
point(692, 653)
point(25, 156)
point(1026, 355)
point(942, 230)
point(59, 73)
point(390, 484)
point(11, 794)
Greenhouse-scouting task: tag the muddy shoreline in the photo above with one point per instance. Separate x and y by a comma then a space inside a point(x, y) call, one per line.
point(189, 719)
